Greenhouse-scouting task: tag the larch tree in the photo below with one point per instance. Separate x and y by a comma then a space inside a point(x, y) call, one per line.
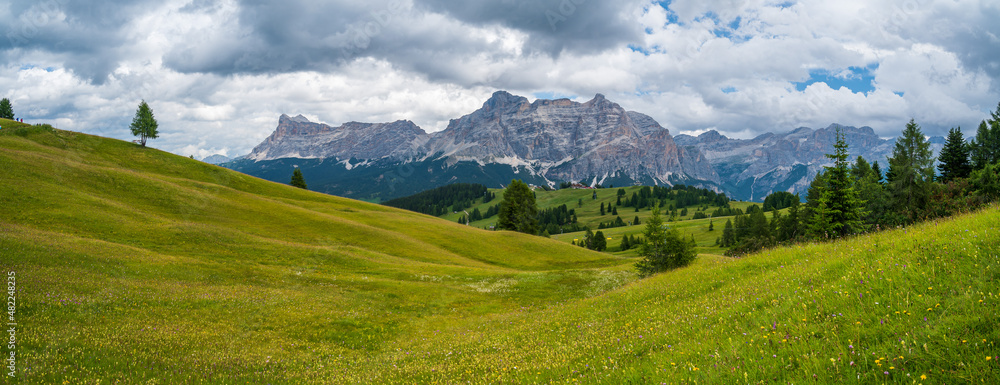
point(144, 124)
point(6, 109)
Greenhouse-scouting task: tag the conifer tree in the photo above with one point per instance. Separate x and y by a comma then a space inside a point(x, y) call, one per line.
point(839, 211)
point(986, 147)
point(588, 239)
point(600, 241)
point(954, 157)
point(663, 248)
point(144, 125)
point(518, 211)
point(298, 180)
point(728, 237)
point(911, 170)
point(6, 109)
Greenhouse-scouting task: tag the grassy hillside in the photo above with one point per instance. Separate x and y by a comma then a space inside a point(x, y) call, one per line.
point(132, 263)
point(136, 266)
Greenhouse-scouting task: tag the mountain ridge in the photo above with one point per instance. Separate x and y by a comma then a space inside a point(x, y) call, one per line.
point(545, 142)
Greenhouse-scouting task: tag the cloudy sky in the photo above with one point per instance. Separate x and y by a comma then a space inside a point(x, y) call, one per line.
point(219, 73)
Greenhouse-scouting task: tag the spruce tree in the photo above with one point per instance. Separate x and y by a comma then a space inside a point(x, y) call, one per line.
point(868, 185)
point(821, 225)
point(842, 209)
point(6, 110)
point(518, 211)
point(878, 172)
point(711, 225)
point(614, 210)
point(954, 158)
point(298, 180)
point(911, 170)
point(602, 208)
point(636, 222)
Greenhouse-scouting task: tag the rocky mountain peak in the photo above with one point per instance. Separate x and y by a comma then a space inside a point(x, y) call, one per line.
point(502, 100)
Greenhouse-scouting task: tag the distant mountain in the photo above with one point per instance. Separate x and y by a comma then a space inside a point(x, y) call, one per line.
point(753, 168)
point(216, 159)
point(544, 143)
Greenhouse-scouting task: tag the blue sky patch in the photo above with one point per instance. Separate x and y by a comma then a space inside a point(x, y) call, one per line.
point(729, 90)
point(856, 79)
point(671, 16)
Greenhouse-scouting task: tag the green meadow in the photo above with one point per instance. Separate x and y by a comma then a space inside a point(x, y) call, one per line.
point(137, 266)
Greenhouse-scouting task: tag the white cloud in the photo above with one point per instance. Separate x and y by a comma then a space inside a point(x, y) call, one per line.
point(219, 73)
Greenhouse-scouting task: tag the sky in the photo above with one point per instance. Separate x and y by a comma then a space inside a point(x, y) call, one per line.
point(219, 73)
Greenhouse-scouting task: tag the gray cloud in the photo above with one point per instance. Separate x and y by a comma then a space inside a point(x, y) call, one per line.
point(553, 26)
point(219, 72)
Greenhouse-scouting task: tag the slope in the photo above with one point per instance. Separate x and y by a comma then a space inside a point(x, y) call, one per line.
point(127, 258)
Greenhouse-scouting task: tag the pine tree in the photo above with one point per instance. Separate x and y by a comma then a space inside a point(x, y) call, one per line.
point(602, 208)
point(711, 225)
point(614, 210)
point(298, 180)
point(636, 222)
point(518, 211)
point(6, 110)
point(911, 170)
point(954, 157)
point(625, 243)
point(144, 125)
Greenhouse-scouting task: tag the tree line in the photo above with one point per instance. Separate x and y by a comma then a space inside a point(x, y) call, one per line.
point(436, 202)
point(848, 198)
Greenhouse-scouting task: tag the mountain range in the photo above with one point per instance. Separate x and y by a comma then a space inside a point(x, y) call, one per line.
point(545, 142)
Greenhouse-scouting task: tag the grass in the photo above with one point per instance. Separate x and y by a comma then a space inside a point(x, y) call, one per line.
point(137, 266)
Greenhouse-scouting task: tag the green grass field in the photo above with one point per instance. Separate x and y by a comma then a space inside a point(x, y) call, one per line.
point(137, 266)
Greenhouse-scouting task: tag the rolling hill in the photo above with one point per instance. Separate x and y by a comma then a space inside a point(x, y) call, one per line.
point(137, 266)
